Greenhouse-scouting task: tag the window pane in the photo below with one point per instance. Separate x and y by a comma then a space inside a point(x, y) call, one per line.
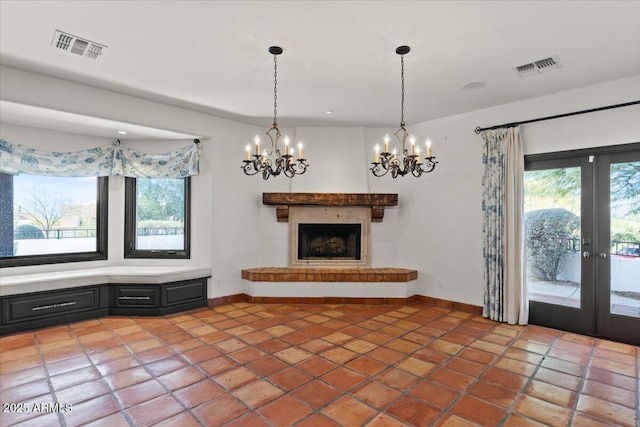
point(54, 215)
point(160, 210)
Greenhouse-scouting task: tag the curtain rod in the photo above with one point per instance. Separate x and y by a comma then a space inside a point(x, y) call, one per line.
point(575, 113)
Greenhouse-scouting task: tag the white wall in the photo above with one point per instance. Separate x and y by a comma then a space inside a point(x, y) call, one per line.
point(452, 217)
point(437, 226)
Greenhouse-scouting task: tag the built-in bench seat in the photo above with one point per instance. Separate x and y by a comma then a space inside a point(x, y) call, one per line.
point(35, 300)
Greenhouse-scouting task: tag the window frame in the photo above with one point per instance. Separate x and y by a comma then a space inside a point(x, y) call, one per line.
point(101, 252)
point(130, 211)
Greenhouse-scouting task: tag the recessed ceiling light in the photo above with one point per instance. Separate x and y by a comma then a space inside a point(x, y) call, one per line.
point(474, 86)
point(121, 132)
point(329, 112)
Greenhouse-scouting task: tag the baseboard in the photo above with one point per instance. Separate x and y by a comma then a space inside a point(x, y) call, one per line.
point(452, 305)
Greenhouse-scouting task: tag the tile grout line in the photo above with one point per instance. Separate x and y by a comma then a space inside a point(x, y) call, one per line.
point(124, 411)
point(49, 384)
point(260, 377)
point(61, 419)
point(346, 392)
point(319, 409)
point(286, 317)
point(342, 394)
point(269, 381)
point(444, 411)
point(511, 408)
point(170, 392)
point(363, 354)
point(210, 377)
point(406, 392)
point(103, 378)
point(583, 380)
point(546, 354)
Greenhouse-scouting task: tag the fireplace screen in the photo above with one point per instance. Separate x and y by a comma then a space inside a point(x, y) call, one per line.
point(329, 241)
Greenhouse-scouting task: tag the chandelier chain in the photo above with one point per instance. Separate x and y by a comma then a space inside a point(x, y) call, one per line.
point(402, 91)
point(275, 89)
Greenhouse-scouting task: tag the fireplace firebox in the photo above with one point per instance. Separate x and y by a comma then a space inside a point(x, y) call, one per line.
point(329, 236)
point(329, 241)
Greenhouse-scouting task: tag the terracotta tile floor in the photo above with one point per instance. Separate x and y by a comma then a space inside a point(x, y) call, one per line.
point(314, 365)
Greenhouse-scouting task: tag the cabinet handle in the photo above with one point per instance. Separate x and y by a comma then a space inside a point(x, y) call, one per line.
point(50, 306)
point(136, 298)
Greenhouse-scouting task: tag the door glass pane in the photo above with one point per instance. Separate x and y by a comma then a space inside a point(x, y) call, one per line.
point(552, 233)
point(625, 238)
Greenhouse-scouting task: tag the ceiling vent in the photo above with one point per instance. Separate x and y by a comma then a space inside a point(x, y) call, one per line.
point(537, 67)
point(76, 45)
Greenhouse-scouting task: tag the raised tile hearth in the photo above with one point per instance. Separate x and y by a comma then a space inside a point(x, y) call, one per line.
point(310, 274)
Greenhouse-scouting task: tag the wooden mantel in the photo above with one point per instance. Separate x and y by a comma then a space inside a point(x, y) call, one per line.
point(375, 201)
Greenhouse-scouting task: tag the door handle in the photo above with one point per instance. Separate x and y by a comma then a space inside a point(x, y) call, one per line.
point(586, 254)
point(603, 255)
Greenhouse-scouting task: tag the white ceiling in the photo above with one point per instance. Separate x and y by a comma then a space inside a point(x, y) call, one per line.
point(338, 55)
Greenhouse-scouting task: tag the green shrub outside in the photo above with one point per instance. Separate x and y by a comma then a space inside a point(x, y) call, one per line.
point(549, 234)
point(28, 232)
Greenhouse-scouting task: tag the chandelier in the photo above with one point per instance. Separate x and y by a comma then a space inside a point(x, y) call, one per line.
point(261, 162)
point(385, 161)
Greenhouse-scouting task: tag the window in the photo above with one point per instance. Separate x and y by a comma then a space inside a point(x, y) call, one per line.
point(157, 217)
point(47, 220)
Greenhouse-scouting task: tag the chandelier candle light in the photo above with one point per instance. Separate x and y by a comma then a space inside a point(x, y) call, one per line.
point(284, 163)
point(385, 161)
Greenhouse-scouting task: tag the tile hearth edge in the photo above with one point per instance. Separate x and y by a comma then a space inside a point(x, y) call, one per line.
point(452, 305)
point(323, 274)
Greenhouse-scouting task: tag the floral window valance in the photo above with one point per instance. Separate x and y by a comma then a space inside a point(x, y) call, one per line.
point(108, 160)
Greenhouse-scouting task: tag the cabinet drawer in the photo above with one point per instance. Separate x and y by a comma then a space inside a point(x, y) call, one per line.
point(185, 292)
point(21, 308)
point(136, 296)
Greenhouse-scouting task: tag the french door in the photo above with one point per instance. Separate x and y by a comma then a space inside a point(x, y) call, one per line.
point(582, 232)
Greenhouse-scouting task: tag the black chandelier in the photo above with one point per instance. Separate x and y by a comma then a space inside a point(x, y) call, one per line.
point(284, 163)
point(385, 161)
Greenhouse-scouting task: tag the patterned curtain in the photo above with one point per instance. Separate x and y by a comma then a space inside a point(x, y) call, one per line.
point(177, 164)
point(503, 228)
point(108, 160)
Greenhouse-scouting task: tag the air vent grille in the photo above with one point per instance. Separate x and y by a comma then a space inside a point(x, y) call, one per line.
point(545, 63)
point(63, 41)
point(77, 45)
point(537, 67)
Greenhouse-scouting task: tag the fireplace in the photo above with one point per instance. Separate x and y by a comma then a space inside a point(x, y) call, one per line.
point(334, 225)
point(329, 236)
